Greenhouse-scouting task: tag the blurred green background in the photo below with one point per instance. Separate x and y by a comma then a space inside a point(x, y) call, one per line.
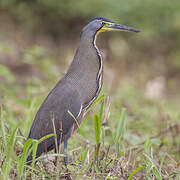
point(38, 39)
point(51, 28)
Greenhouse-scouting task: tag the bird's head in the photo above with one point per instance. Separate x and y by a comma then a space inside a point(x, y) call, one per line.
point(98, 25)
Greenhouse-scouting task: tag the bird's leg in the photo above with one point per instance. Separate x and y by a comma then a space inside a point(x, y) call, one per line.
point(65, 153)
point(55, 161)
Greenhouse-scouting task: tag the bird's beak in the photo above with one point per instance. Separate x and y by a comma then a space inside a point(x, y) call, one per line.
point(118, 27)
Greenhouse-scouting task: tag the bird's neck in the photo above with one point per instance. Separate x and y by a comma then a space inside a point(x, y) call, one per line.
point(87, 57)
point(85, 72)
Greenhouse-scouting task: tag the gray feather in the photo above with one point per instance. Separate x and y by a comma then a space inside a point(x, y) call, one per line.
point(60, 100)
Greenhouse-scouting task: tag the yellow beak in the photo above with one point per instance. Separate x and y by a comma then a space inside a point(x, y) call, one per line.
point(117, 27)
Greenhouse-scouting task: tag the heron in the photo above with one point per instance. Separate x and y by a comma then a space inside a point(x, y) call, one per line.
point(72, 96)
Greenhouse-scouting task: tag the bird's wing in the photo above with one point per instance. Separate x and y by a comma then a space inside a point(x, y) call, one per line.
point(61, 100)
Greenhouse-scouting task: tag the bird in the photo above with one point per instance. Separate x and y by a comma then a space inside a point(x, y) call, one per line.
point(72, 96)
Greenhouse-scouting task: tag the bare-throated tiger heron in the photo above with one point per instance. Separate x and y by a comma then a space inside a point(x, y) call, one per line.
point(75, 92)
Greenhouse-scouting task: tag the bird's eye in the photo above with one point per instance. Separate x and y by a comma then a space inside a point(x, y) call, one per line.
point(103, 23)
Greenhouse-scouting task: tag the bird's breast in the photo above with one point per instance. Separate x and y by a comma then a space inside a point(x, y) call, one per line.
point(96, 84)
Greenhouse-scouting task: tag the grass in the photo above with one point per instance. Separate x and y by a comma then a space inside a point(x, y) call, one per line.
point(124, 135)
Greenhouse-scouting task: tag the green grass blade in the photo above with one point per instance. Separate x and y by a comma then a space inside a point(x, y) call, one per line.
point(35, 146)
point(9, 150)
point(76, 121)
point(97, 128)
point(121, 123)
point(83, 155)
point(153, 168)
point(135, 171)
point(3, 130)
point(26, 151)
point(45, 137)
point(34, 149)
point(162, 162)
point(21, 162)
point(120, 129)
point(101, 111)
point(96, 101)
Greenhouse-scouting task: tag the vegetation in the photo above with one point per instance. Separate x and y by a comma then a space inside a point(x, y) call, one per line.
point(133, 129)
